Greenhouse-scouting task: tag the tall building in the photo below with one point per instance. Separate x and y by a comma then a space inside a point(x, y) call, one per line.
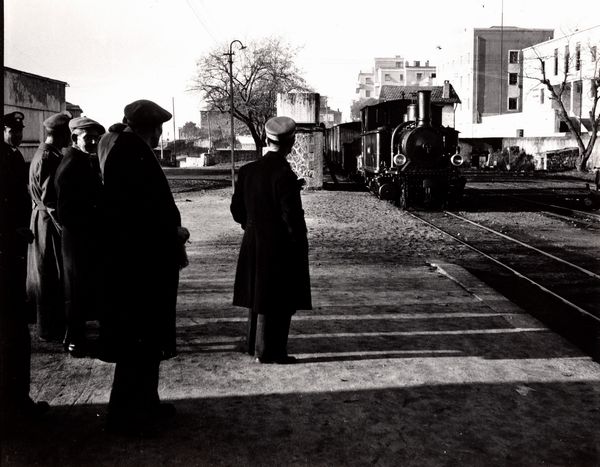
point(393, 71)
point(484, 66)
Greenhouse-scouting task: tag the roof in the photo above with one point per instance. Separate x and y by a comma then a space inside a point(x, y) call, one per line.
point(392, 93)
point(45, 78)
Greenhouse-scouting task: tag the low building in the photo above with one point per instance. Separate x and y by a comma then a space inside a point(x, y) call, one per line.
point(444, 100)
point(37, 97)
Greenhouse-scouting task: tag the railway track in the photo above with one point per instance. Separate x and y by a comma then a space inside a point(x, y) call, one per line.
point(561, 289)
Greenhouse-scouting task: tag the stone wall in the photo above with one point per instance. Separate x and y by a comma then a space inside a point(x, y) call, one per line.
point(306, 157)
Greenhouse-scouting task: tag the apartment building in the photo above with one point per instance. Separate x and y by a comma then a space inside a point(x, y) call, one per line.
point(393, 71)
point(572, 60)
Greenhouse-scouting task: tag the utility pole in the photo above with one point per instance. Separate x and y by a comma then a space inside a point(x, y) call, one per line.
point(230, 60)
point(501, 54)
point(174, 155)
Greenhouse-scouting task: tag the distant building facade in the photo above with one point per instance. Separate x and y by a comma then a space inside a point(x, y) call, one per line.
point(393, 71)
point(327, 115)
point(37, 97)
point(485, 69)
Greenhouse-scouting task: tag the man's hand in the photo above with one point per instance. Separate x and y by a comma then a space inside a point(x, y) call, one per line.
point(183, 234)
point(26, 234)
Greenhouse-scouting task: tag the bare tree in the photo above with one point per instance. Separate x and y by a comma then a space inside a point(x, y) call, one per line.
point(579, 67)
point(358, 105)
point(261, 71)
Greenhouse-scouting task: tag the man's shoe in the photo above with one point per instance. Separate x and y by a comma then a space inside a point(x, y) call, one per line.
point(286, 360)
point(76, 350)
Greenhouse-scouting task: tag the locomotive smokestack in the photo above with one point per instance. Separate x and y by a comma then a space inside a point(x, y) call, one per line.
point(424, 108)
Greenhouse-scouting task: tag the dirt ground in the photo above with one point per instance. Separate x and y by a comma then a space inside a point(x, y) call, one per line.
point(406, 360)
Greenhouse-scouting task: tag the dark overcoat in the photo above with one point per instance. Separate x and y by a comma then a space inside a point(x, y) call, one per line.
point(78, 185)
point(272, 272)
point(15, 209)
point(140, 251)
point(44, 258)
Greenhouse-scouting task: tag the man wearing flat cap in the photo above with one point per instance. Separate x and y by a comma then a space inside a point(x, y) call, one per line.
point(272, 277)
point(78, 185)
point(15, 341)
point(44, 259)
point(142, 241)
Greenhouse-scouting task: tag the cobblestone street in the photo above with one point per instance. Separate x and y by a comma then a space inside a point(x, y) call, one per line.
point(406, 359)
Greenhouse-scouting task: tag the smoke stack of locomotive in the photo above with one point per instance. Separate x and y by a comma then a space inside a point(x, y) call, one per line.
point(424, 98)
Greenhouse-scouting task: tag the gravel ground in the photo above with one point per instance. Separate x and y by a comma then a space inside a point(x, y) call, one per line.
point(399, 364)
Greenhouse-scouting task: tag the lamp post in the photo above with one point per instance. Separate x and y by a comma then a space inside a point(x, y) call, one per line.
point(230, 59)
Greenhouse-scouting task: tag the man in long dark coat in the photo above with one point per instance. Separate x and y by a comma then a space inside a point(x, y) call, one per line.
point(142, 245)
point(272, 277)
point(15, 341)
point(44, 259)
point(78, 185)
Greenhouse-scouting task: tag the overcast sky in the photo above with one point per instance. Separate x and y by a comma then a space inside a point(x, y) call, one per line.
point(112, 52)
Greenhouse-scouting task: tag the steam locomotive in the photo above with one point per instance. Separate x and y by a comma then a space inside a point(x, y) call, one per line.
point(410, 160)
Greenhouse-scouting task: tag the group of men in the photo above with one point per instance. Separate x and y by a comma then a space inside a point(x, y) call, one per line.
point(94, 233)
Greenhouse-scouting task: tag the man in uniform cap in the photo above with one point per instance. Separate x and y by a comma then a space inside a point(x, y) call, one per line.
point(44, 260)
point(78, 185)
point(142, 242)
point(15, 341)
point(272, 278)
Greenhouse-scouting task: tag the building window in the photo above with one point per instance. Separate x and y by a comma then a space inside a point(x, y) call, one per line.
point(513, 56)
point(578, 57)
point(433, 75)
point(401, 77)
point(542, 95)
point(387, 77)
point(367, 93)
point(369, 80)
point(417, 63)
point(398, 64)
point(419, 76)
point(567, 58)
point(555, 62)
point(513, 79)
point(513, 103)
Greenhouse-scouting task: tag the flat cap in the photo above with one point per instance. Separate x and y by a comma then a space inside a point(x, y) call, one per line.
point(145, 113)
point(13, 120)
point(57, 120)
point(280, 128)
point(85, 122)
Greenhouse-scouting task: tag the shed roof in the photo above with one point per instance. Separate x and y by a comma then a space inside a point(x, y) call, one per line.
point(392, 93)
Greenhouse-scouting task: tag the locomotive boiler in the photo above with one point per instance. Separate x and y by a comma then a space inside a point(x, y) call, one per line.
point(413, 163)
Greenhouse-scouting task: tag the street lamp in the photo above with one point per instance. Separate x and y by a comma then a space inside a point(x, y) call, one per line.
point(230, 59)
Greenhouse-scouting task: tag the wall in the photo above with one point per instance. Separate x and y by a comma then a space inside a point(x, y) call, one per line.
point(537, 146)
point(306, 157)
point(37, 98)
point(303, 107)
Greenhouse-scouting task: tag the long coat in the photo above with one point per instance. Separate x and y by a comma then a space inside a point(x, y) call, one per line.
point(140, 252)
point(44, 258)
point(15, 209)
point(272, 273)
point(78, 185)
